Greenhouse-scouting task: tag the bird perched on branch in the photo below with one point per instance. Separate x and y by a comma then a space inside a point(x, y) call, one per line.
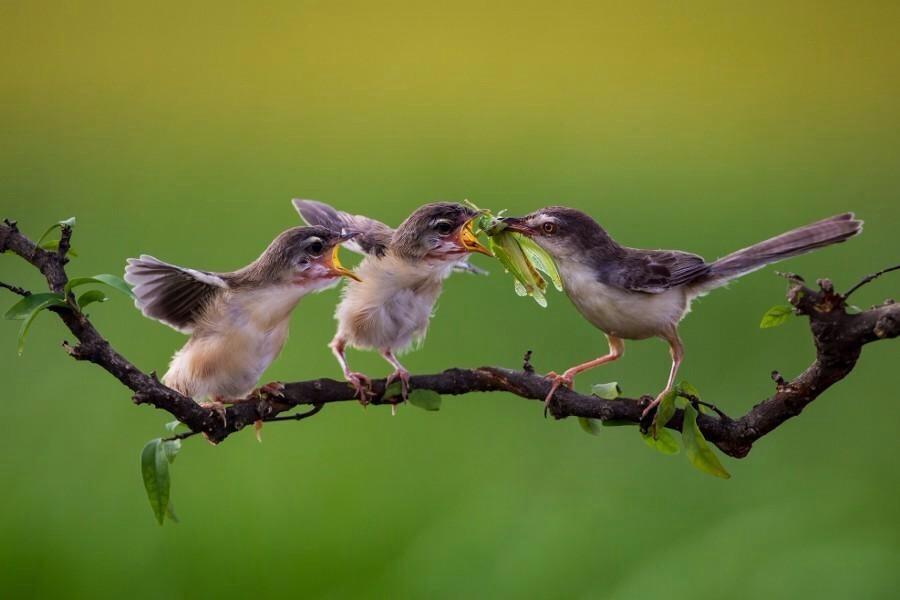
point(402, 274)
point(633, 294)
point(238, 321)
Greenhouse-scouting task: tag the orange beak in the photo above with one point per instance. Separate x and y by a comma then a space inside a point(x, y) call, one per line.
point(338, 268)
point(468, 240)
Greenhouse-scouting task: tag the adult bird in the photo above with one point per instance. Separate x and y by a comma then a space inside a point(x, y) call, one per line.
point(401, 278)
point(634, 294)
point(238, 321)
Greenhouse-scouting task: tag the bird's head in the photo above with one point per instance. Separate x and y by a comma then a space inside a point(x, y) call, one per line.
point(565, 233)
point(441, 231)
point(305, 256)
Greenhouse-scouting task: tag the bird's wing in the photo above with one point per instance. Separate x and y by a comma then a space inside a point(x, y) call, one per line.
point(172, 295)
point(372, 236)
point(654, 271)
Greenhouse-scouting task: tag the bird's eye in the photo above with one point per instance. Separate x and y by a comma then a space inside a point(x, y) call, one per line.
point(443, 227)
point(315, 248)
point(549, 228)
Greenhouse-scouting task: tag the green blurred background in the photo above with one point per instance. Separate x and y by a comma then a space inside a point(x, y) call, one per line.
point(183, 130)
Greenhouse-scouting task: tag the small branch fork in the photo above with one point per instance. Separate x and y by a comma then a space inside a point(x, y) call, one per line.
point(837, 335)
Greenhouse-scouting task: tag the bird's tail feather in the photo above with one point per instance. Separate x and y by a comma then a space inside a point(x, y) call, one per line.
point(804, 239)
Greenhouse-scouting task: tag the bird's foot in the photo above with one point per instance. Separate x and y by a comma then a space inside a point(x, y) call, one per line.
point(218, 406)
point(362, 385)
point(652, 406)
point(564, 380)
point(401, 375)
point(273, 389)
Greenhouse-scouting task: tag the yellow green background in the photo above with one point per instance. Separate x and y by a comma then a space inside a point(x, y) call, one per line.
point(182, 129)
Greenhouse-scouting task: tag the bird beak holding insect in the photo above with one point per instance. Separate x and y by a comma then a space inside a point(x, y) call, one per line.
point(468, 241)
point(334, 263)
point(517, 225)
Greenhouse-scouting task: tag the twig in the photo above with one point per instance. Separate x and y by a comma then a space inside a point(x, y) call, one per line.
point(869, 278)
point(15, 289)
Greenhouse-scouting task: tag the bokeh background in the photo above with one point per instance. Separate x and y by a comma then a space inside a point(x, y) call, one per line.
point(184, 129)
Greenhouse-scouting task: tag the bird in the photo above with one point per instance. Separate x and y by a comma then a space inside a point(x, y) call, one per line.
point(401, 278)
point(237, 321)
point(635, 294)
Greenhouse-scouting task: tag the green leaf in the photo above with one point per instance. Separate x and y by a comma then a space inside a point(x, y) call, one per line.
point(687, 389)
point(171, 448)
point(172, 425)
point(425, 399)
point(112, 281)
point(663, 442)
point(591, 426)
point(170, 512)
point(607, 391)
point(53, 246)
point(27, 305)
point(393, 390)
point(664, 411)
point(90, 297)
point(155, 471)
point(776, 316)
point(47, 301)
point(70, 222)
point(696, 448)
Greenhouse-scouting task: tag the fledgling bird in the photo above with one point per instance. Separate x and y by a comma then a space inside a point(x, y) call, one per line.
point(402, 274)
point(238, 321)
point(634, 294)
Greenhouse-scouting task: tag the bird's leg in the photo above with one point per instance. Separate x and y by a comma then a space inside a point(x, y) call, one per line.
point(217, 403)
point(616, 349)
point(362, 385)
point(400, 373)
point(677, 352)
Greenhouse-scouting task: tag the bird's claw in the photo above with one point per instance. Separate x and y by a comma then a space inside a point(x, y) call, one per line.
point(362, 386)
point(564, 380)
point(403, 376)
point(218, 407)
point(273, 389)
point(652, 406)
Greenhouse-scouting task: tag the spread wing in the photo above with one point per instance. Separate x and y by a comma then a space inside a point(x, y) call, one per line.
point(173, 295)
point(655, 271)
point(373, 236)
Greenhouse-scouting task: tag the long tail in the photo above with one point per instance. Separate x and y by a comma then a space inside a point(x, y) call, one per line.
point(797, 241)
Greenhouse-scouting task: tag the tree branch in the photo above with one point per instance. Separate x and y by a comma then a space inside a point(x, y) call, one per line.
point(837, 335)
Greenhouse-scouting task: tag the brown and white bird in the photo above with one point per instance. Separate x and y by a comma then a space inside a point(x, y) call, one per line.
point(401, 278)
point(238, 321)
point(633, 294)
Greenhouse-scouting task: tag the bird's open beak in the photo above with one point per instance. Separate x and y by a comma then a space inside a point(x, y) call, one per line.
point(339, 269)
point(517, 224)
point(468, 241)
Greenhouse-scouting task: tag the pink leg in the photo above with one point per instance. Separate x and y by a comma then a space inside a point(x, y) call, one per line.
point(616, 349)
point(677, 352)
point(361, 384)
point(400, 373)
point(217, 403)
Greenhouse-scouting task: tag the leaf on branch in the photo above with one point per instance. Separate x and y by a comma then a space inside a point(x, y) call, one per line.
point(155, 471)
point(425, 399)
point(607, 391)
point(696, 448)
point(663, 442)
point(775, 316)
point(113, 281)
point(591, 426)
point(171, 448)
point(172, 425)
point(70, 222)
point(392, 391)
point(90, 297)
point(53, 246)
point(27, 309)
